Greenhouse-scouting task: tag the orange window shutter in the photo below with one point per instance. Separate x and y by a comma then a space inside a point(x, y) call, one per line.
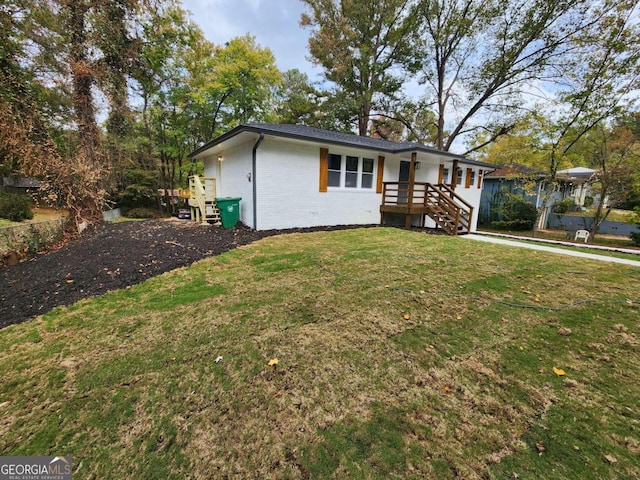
point(380, 177)
point(441, 174)
point(467, 182)
point(479, 178)
point(324, 169)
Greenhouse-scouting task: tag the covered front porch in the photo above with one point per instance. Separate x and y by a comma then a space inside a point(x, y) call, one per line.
point(418, 200)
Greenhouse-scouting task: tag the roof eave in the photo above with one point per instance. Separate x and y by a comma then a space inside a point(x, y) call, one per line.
point(401, 148)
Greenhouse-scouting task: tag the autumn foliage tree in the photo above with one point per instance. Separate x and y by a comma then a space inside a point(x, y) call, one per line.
point(364, 47)
point(102, 100)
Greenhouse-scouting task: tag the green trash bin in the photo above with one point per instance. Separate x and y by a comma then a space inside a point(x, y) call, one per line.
point(229, 210)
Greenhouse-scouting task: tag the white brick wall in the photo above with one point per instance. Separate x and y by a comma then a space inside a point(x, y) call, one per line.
point(288, 185)
point(288, 190)
point(231, 177)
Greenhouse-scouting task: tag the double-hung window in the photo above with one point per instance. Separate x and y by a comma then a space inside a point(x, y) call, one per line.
point(351, 177)
point(367, 173)
point(350, 171)
point(335, 170)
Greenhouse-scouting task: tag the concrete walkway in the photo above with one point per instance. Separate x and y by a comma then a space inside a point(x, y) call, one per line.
point(544, 248)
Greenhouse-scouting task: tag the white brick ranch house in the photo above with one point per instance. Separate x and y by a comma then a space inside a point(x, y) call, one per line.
point(293, 176)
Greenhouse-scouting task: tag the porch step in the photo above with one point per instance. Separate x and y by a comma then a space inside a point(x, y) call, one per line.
point(447, 209)
point(211, 212)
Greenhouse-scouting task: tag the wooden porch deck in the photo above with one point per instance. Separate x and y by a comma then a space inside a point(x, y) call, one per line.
point(438, 201)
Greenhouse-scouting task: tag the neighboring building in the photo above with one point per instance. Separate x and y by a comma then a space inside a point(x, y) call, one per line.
point(577, 183)
point(291, 176)
point(531, 184)
point(20, 184)
point(517, 179)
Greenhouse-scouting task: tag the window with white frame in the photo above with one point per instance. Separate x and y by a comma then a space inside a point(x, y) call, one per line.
point(367, 173)
point(335, 170)
point(353, 172)
point(472, 177)
point(351, 175)
point(445, 175)
point(460, 176)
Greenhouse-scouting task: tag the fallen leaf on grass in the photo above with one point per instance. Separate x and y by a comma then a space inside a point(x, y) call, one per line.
point(406, 316)
point(610, 459)
point(273, 362)
point(447, 389)
point(559, 371)
point(540, 446)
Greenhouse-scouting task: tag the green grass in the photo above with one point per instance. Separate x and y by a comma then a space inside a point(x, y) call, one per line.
point(400, 355)
point(40, 214)
point(616, 214)
point(607, 240)
point(561, 235)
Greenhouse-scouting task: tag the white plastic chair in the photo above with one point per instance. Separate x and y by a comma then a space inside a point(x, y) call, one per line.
point(582, 234)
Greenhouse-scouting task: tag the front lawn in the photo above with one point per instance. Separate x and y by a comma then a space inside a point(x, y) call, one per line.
point(399, 355)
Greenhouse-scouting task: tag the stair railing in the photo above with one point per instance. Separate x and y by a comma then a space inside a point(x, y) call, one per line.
point(198, 194)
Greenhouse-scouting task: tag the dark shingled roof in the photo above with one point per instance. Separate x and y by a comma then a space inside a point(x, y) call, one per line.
point(515, 170)
point(304, 132)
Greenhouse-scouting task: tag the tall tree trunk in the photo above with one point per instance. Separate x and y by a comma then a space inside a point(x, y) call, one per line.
point(83, 77)
point(363, 118)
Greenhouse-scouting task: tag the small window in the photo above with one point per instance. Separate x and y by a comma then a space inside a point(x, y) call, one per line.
point(460, 176)
point(445, 175)
point(335, 167)
point(351, 178)
point(367, 172)
point(472, 177)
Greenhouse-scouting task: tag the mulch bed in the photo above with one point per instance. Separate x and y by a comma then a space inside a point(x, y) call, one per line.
point(112, 256)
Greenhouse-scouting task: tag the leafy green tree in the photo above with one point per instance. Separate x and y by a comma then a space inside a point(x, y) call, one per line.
point(523, 145)
point(600, 76)
point(297, 101)
point(615, 153)
point(480, 55)
point(234, 85)
point(364, 48)
point(404, 120)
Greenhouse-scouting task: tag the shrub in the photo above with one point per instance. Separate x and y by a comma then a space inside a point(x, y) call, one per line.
point(143, 213)
point(563, 206)
point(515, 225)
point(15, 207)
point(516, 213)
point(588, 201)
point(635, 237)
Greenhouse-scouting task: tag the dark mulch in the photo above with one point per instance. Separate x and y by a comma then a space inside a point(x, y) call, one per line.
point(110, 257)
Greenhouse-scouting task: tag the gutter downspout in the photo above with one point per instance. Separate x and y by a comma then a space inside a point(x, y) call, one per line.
point(253, 177)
